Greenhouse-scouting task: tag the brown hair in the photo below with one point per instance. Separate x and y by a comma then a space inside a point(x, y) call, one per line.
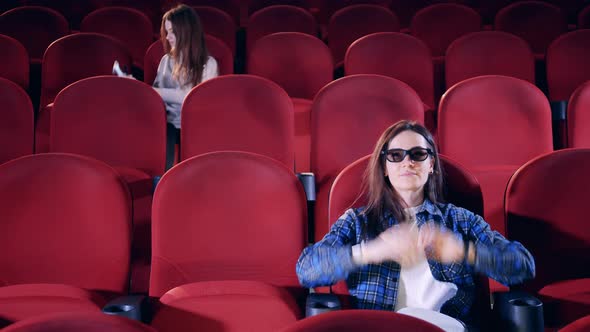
point(381, 196)
point(190, 53)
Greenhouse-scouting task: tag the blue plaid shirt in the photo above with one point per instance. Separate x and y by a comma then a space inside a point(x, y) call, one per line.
point(375, 286)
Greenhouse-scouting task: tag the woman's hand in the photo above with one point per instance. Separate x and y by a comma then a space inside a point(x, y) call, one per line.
point(398, 243)
point(441, 244)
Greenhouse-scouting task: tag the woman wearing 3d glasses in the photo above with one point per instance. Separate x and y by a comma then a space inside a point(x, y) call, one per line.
point(405, 250)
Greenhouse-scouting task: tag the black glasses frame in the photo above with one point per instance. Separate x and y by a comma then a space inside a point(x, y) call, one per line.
point(416, 154)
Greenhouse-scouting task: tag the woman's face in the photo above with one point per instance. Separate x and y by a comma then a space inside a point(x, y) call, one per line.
point(408, 176)
point(170, 36)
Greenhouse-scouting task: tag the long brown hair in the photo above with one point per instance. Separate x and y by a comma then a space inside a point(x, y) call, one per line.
point(190, 53)
point(381, 196)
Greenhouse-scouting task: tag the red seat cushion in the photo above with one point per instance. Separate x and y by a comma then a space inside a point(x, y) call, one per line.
point(568, 300)
point(18, 302)
point(226, 306)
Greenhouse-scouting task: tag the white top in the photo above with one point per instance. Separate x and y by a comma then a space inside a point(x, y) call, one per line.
point(422, 296)
point(172, 91)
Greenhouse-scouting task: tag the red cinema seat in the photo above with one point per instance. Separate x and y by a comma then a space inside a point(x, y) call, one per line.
point(580, 325)
point(72, 10)
point(492, 125)
point(34, 27)
point(347, 117)
point(65, 236)
point(300, 63)
point(14, 61)
point(225, 261)
point(537, 22)
point(257, 116)
point(68, 60)
point(350, 23)
point(362, 320)
point(439, 25)
point(396, 55)
point(219, 24)
point(124, 126)
point(488, 53)
point(16, 127)
point(567, 65)
point(277, 57)
point(130, 26)
point(545, 211)
point(578, 118)
point(325, 9)
point(74, 322)
point(279, 18)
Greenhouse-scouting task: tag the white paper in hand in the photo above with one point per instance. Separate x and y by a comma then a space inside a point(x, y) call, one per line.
point(117, 70)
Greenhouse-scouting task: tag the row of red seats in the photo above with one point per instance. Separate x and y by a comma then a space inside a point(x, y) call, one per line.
point(314, 126)
point(240, 9)
point(538, 23)
point(208, 261)
point(491, 124)
point(392, 54)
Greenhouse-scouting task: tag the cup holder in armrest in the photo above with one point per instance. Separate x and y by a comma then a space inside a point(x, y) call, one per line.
point(318, 303)
point(518, 311)
point(134, 307)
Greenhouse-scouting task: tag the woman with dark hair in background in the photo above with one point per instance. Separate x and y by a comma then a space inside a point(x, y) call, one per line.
point(406, 250)
point(185, 64)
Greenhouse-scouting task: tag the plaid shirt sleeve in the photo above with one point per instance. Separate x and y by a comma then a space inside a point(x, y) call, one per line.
point(329, 260)
point(507, 262)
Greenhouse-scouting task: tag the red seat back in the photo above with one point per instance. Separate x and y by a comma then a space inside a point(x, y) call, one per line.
point(14, 61)
point(74, 322)
point(440, 24)
point(325, 9)
point(16, 127)
point(116, 22)
point(35, 27)
point(124, 125)
point(257, 116)
point(362, 320)
point(151, 8)
point(350, 23)
point(280, 18)
point(219, 24)
point(300, 63)
point(537, 22)
point(493, 125)
point(79, 56)
point(66, 220)
point(347, 117)
point(245, 221)
point(396, 55)
point(567, 64)
point(488, 53)
point(578, 118)
point(545, 211)
point(73, 10)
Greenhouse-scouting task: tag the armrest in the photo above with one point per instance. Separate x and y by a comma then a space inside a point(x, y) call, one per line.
point(318, 303)
point(517, 311)
point(308, 181)
point(558, 110)
point(136, 307)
